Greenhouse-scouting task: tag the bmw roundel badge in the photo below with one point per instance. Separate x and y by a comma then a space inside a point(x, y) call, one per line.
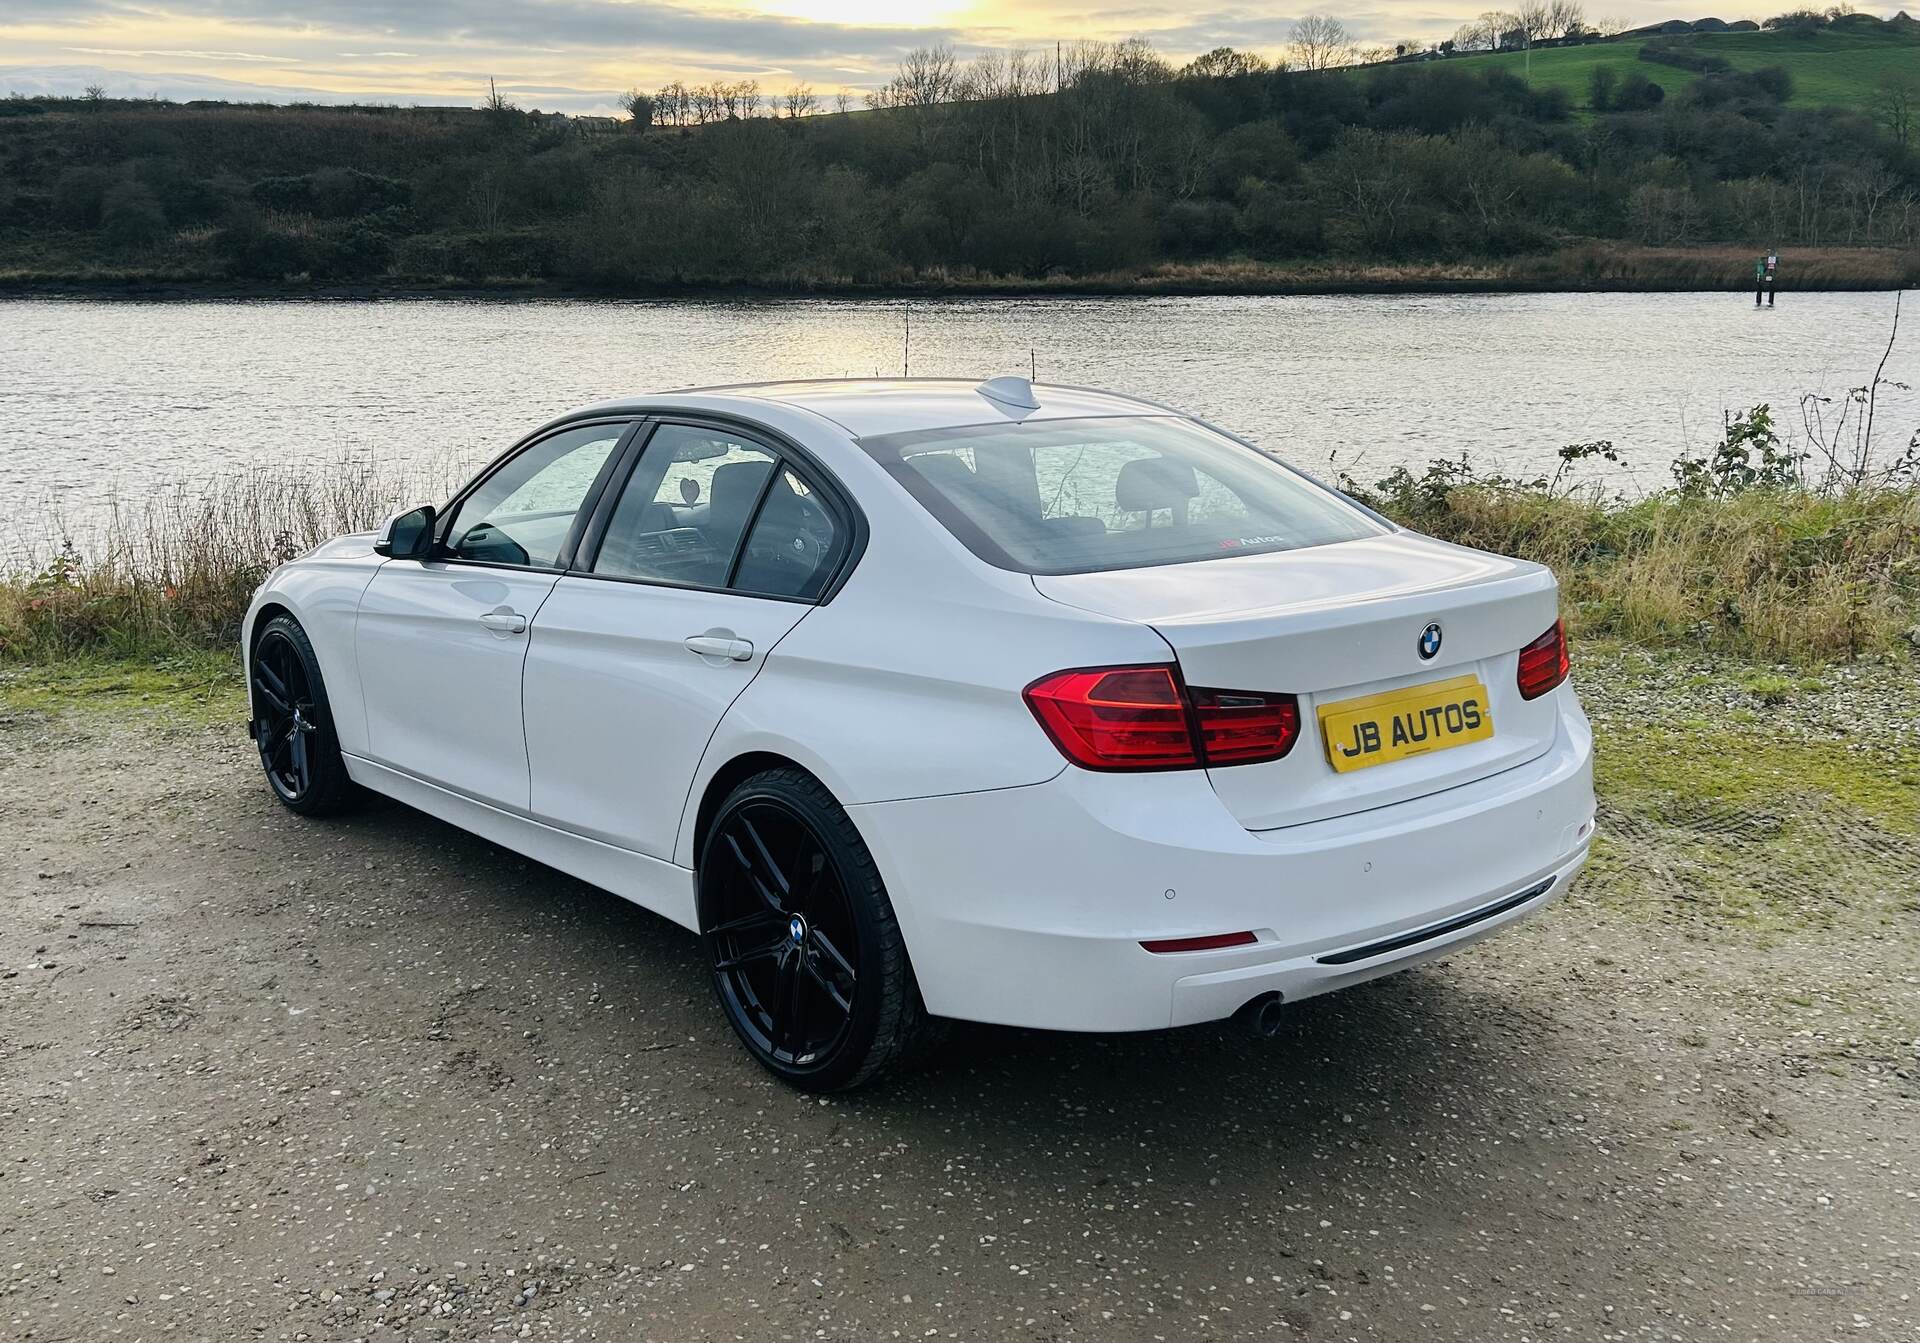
point(1430, 642)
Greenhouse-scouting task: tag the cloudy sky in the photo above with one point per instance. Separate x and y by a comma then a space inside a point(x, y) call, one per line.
point(575, 55)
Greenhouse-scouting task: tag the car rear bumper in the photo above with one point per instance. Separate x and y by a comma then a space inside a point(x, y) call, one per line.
point(1027, 906)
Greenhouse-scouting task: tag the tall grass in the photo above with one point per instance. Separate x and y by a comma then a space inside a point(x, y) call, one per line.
point(174, 569)
point(1775, 570)
point(1781, 573)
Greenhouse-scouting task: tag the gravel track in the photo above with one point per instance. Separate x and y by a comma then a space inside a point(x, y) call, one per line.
point(375, 1079)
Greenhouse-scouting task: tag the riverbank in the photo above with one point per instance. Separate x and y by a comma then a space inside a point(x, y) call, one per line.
point(1596, 267)
point(1778, 573)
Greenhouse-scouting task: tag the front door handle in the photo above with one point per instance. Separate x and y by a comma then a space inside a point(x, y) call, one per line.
point(720, 646)
point(504, 620)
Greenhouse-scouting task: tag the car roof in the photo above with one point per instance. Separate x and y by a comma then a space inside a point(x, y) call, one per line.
point(867, 407)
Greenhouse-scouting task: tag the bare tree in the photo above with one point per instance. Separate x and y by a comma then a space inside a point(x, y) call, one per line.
point(1534, 21)
point(673, 105)
point(94, 93)
point(927, 75)
point(800, 101)
point(1320, 43)
point(1896, 105)
point(1225, 63)
point(1564, 18)
point(746, 98)
point(1610, 25)
point(843, 101)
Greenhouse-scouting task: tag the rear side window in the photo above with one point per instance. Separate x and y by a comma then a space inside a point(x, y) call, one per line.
point(706, 508)
point(1080, 496)
point(682, 515)
point(795, 544)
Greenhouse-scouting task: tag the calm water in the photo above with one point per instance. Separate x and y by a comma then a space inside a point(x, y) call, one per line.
point(99, 395)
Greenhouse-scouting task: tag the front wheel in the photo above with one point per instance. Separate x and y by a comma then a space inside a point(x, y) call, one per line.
point(292, 722)
point(805, 953)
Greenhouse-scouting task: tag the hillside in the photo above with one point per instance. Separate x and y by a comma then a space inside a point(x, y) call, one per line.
point(1830, 67)
point(1445, 173)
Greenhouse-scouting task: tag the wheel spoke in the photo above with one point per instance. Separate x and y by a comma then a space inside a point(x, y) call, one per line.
point(274, 700)
point(270, 680)
point(300, 758)
point(832, 954)
point(758, 918)
point(281, 743)
point(759, 953)
point(793, 992)
point(774, 894)
point(841, 1000)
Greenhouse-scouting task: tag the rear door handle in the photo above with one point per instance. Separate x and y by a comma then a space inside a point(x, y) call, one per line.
point(720, 646)
point(503, 620)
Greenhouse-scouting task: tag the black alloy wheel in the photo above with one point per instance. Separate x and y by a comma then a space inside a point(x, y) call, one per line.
point(291, 722)
point(805, 954)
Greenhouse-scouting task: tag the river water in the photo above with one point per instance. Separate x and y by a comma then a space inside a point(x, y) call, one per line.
point(97, 396)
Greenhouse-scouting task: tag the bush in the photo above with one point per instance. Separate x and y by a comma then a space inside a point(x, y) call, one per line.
point(131, 217)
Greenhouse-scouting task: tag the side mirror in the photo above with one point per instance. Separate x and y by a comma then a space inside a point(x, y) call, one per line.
point(408, 535)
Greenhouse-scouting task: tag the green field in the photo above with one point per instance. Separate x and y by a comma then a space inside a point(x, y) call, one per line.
point(1829, 68)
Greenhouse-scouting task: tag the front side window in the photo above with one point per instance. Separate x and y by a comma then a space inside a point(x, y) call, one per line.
point(521, 514)
point(1081, 496)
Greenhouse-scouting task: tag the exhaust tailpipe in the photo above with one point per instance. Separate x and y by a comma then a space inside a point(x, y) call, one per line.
point(1261, 1015)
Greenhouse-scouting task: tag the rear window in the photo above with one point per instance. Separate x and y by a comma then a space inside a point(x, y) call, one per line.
point(1079, 496)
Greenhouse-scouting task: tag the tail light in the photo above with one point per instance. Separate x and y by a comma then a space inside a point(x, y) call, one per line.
point(1140, 718)
point(1543, 663)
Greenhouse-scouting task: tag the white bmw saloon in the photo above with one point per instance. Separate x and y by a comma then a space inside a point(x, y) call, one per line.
point(924, 699)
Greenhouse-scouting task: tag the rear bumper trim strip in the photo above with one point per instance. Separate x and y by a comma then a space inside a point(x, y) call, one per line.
point(1433, 930)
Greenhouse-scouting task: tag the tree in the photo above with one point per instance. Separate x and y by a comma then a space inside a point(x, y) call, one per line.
point(95, 93)
point(1896, 106)
point(800, 101)
point(1564, 18)
point(1600, 86)
point(1320, 43)
point(1225, 63)
point(639, 106)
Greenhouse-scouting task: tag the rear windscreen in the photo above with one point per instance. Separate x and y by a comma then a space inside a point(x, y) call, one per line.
point(1078, 496)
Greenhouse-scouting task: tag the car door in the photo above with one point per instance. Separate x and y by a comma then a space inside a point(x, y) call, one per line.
point(441, 642)
point(716, 547)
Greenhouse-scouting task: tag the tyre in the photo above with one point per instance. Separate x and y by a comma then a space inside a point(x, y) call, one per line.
point(805, 954)
point(292, 722)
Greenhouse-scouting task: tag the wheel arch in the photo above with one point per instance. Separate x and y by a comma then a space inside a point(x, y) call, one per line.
point(729, 777)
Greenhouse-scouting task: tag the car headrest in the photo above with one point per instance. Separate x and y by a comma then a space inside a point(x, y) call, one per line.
point(1154, 482)
point(945, 472)
point(735, 486)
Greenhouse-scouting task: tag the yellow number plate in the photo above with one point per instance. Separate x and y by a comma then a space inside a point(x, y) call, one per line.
point(1402, 723)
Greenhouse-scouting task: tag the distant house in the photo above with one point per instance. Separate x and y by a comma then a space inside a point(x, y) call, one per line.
point(596, 125)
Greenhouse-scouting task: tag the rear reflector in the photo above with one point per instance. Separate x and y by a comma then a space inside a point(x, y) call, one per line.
point(1201, 943)
point(1135, 718)
point(1543, 663)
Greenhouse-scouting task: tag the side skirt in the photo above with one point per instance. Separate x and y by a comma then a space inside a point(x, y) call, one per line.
point(664, 888)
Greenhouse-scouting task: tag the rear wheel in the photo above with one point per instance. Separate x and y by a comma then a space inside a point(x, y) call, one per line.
point(292, 723)
point(804, 950)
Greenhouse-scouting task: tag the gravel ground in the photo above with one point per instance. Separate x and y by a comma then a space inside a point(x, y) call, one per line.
point(375, 1079)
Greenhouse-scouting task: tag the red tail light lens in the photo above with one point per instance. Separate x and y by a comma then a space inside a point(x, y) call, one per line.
point(1239, 727)
point(1116, 717)
point(1138, 718)
point(1543, 663)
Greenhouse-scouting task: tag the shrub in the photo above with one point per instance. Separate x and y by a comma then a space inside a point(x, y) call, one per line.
point(131, 217)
